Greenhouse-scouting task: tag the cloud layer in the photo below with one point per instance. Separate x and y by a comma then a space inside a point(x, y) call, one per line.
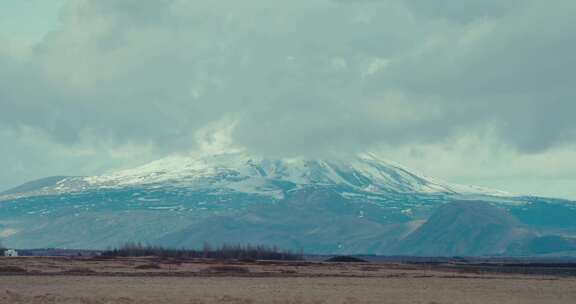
point(296, 77)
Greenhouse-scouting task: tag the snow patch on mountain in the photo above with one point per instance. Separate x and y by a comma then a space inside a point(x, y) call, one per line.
point(365, 174)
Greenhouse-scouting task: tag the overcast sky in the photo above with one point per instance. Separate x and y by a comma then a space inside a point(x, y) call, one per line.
point(470, 91)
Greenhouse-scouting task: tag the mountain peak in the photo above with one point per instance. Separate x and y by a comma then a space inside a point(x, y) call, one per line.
point(355, 204)
point(241, 172)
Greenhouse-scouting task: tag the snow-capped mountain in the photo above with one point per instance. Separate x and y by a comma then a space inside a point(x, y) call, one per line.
point(359, 204)
point(240, 172)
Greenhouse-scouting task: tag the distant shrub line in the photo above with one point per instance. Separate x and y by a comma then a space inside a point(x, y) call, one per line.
point(226, 252)
point(346, 259)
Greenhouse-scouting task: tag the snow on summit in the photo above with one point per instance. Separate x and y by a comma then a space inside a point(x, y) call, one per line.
point(239, 171)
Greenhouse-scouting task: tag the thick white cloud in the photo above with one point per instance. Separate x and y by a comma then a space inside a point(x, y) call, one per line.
point(28, 154)
point(479, 158)
point(465, 10)
point(297, 77)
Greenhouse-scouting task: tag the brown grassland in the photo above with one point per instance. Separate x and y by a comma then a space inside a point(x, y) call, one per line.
point(149, 280)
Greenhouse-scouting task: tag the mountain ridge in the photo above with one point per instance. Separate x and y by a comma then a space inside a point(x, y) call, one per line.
point(350, 206)
point(362, 171)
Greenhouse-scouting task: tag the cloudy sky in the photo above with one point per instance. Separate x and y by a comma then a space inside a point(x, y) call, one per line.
point(471, 91)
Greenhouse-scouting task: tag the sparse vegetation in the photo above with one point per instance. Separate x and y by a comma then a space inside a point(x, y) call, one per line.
point(346, 259)
point(226, 269)
point(225, 252)
point(369, 268)
point(11, 269)
point(118, 281)
point(80, 270)
point(148, 266)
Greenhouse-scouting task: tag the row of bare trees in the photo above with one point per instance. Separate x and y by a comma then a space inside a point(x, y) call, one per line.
point(228, 252)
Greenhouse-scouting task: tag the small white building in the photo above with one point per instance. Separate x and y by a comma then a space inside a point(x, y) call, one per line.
point(10, 253)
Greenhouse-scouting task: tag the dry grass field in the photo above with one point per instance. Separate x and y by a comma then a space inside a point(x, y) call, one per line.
point(170, 281)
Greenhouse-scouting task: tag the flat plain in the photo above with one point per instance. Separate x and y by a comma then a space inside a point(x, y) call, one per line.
point(175, 281)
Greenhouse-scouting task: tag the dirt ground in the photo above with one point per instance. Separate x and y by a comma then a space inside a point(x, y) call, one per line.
point(152, 281)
